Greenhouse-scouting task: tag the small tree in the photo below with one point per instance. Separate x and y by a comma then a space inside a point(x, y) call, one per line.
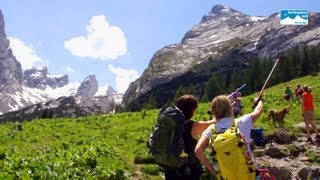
point(191, 90)
point(213, 87)
point(151, 104)
point(180, 92)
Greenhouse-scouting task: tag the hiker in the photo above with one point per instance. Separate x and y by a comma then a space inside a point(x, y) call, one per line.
point(237, 107)
point(287, 94)
point(192, 130)
point(308, 112)
point(234, 96)
point(298, 92)
point(222, 110)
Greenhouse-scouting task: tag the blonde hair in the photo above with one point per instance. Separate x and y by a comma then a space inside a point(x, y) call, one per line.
point(221, 107)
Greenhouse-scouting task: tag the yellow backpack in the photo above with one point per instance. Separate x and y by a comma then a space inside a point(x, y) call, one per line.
point(229, 149)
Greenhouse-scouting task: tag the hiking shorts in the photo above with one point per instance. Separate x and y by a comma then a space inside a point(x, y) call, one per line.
point(308, 115)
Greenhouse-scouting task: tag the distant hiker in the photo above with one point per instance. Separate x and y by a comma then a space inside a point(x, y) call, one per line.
point(298, 92)
point(192, 130)
point(222, 110)
point(237, 107)
point(234, 96)
point(287, 94)
point(308, 112)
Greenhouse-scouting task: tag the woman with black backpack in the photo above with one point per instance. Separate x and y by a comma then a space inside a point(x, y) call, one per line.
point(192, 130)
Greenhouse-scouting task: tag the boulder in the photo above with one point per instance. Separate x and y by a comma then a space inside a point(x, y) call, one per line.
point(275, 152)
point(282, 136)
point(281, 173)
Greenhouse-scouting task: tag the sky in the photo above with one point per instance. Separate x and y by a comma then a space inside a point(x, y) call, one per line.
point(112, 39)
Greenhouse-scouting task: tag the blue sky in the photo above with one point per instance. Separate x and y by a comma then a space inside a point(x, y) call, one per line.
point(113, 39)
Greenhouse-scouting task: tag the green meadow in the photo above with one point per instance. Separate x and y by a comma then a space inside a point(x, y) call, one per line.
point(109, 146)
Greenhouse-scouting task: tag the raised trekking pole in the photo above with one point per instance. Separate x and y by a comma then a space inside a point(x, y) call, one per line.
point(265, 84)
point(230, 95)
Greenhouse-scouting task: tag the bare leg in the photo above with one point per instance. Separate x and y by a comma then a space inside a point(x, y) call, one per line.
point(314, 127)
point(307, 128)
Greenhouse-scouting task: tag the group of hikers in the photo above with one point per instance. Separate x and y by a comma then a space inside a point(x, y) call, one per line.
point(288, 94)
point(199, 135)
point(304, 94)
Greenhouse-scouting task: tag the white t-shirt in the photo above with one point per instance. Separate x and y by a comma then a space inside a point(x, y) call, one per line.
point(244, 124)
point(222, 125)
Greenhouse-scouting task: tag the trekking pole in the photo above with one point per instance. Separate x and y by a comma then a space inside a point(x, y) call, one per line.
point(238, 89)
point(265, 83)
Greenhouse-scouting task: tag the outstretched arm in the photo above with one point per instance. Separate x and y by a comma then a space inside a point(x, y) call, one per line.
point(199, 127)
point(257, 111)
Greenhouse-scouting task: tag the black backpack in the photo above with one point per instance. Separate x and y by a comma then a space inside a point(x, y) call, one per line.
point(166, 141)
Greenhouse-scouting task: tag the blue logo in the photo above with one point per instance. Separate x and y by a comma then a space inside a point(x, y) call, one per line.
point(294, 17)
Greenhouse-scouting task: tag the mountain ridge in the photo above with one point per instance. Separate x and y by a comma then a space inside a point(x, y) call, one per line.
point(223, 40)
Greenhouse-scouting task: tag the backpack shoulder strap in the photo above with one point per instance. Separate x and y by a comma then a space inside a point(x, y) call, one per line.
point(235, 122)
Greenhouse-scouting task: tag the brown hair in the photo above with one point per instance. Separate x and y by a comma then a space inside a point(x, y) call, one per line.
point(187, 104)
point(221, 107)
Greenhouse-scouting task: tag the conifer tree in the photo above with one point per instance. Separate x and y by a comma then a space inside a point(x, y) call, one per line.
point(181, 91)
point(191, 90)
point(213, 87)
point(151, 104)
point(305, 65)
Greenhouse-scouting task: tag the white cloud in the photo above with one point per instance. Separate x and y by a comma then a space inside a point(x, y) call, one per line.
point(124, 77)
point(103, 41)
point(25, 54)
point(69, 69)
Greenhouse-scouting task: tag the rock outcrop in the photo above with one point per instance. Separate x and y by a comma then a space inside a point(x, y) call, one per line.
point(88, 87)
point(10, 69)
point(38, 77)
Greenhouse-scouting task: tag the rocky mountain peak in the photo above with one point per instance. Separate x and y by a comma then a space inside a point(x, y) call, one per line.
point(88, 87)
point(38, 77)
point(110, 91)
point(10, 68)
point(218, 9)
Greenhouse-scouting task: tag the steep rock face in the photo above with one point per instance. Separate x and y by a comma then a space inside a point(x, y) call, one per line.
point(88, 87)
point(37, 77)
point(10, 68)
point(224, 39)
point(56, 82)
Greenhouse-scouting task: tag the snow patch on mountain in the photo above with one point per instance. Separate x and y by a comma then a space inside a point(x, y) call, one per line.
point(257, 18)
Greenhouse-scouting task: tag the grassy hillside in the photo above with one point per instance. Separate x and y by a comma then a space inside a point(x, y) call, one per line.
point(106, 146)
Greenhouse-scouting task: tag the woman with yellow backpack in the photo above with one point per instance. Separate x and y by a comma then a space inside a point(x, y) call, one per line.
point(230, 145)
